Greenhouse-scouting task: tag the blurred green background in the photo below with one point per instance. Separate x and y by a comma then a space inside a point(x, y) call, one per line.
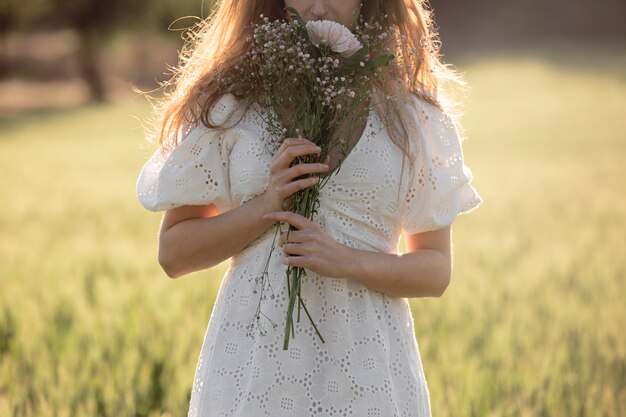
point(532, 324)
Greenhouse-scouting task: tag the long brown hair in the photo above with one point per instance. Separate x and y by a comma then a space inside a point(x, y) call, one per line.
point(214, 43)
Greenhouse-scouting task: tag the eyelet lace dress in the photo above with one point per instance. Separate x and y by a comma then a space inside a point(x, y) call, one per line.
point(370, 363)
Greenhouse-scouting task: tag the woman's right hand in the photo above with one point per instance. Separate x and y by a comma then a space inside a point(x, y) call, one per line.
point(281, 184)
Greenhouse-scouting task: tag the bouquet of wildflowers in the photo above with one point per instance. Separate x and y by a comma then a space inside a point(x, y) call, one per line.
point(316, 80)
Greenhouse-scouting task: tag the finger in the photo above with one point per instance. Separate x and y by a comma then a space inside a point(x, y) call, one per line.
point(287, 203)
point(292, 236)
point(297, 249)
point(303, 169)
point(300, 261)
point(292, 152)
point(291, 142)
point(295, 186)
point(293, 219)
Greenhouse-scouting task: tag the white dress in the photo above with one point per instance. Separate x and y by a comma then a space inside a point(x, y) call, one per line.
point(369, 364)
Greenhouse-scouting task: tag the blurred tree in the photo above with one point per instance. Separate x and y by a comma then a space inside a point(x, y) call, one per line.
point(95, 21)
point(486, 23)
point(10, 16)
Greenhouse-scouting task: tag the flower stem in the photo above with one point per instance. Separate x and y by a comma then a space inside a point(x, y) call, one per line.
point(295, 283)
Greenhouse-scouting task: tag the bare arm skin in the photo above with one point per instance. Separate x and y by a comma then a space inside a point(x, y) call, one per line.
point(424, 271)
point(193, 238)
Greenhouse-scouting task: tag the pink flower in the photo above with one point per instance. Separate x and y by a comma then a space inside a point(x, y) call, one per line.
point(335, 35)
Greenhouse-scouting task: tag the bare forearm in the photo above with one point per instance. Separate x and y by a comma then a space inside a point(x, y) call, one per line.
point(202, 243)
point(423, 273)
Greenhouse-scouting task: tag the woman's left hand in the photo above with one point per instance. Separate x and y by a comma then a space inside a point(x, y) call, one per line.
point(311, 247)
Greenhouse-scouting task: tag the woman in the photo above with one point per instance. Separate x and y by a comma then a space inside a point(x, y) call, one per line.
point(223, 195)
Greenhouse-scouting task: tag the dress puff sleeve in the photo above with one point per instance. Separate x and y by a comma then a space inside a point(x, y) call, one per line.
point(194, 172)
point(440, 183)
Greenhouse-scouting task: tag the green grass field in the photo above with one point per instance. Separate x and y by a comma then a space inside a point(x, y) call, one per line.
point(532, 324)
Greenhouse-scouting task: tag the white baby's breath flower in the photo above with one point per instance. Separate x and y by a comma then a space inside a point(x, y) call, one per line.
point(335, 35)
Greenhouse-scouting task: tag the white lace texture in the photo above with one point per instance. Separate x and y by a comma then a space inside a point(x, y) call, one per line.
point(369, 364)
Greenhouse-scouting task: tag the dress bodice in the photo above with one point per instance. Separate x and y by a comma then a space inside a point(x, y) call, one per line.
point(366, 203)
point(369, 363)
